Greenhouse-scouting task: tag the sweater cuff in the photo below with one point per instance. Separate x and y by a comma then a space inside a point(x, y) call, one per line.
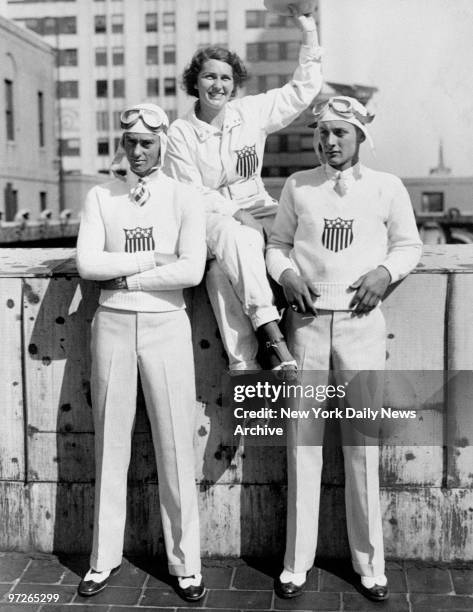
point(276, 269)
point(133, 282)
point(145, 260)
point(310, 53)
point(395, 274)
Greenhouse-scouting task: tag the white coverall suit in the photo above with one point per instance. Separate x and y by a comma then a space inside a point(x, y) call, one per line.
point(225, 165)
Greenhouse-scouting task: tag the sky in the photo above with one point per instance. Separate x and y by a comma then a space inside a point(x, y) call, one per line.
point(419, 54)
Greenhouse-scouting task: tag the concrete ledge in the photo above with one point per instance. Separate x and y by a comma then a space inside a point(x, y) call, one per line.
point(46, 458)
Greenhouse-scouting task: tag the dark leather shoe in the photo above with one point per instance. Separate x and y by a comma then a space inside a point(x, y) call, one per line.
point(191, 593)
point(87, 588)
point(288, 590)
point(376, 593)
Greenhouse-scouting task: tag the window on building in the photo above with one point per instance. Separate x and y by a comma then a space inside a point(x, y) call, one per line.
point(432, 201)
point(252, 86)
point(43, 200)
point(9, 111)
point(169, 54)
point(278, 21)
point(253, 52)
point(67, 25)
point(262, 83)
point(151, 22)
point(41, 118)
point(152, 87)
point(292, 51)
point(170, 87)
point(50, 25)
point(203, 20)
point(67, 89)
point(152, 56)
point(221, 20)
point(101, 88)
point(102, 121)
point(294, 143)
point(36, 25)
point(118, 56)
point(271, 171)
point(255, 19)
point(272, 143)
point(307, 142)
point(284, 78)
point(66, 57)
point(103, 147)
point(283, 144)
point(272, 51)
point(100, 24)
point(11, 202)
point(101, 56)
point(118, 88)
point(117, 23)
point(169, 22)
point(272, 81)
point(116, 120)
point(69, 147)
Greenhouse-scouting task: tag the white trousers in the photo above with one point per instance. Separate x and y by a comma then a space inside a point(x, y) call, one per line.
point(159, 345)
point(238, 287)
point(350, 344)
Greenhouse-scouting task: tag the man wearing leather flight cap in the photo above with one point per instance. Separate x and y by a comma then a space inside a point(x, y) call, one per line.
point(343, 233)
point(144, 240)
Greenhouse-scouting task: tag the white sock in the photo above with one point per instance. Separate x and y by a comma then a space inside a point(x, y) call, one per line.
point(370, 581)
point(296, 578)
point(95, 576)
point(187, 581)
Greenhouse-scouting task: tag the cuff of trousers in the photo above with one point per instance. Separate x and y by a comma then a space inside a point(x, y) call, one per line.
point(241, 367)
point(185, 570)
point(366, 569)
point(266, 314)
point(104, 564)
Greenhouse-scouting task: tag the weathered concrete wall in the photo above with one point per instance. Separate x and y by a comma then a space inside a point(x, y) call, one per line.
point(46, 433)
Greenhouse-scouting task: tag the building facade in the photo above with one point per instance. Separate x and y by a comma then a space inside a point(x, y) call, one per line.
point(116, 52)
point(28, 162)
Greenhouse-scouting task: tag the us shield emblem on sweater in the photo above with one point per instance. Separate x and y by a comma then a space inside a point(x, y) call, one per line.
point(247, 162)
point(139, 239)
point(337, 234)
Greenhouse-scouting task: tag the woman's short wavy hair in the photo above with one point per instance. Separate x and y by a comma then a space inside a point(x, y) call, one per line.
point(190, 74)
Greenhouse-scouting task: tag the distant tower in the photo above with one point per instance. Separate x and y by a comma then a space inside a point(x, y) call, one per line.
point(441, 169)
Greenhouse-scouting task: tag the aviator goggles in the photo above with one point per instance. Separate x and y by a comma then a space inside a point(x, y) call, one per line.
point(345, 108)
point(152, 120)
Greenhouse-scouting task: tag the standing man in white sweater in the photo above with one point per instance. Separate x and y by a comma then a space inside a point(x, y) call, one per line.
point(144, 238)
point(343, 233)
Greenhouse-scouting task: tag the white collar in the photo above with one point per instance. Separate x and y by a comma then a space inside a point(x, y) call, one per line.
point(352, 173)
point(204, 130)
point(132, 178)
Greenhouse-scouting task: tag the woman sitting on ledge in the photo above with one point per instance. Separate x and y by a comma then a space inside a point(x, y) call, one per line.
point(218, 147)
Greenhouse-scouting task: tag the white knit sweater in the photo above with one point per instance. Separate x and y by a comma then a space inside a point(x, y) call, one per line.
point(331, 240)
point(119, 238)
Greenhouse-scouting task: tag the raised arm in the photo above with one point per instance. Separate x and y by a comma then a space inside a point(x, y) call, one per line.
point(279, 107)
point(93, 262)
